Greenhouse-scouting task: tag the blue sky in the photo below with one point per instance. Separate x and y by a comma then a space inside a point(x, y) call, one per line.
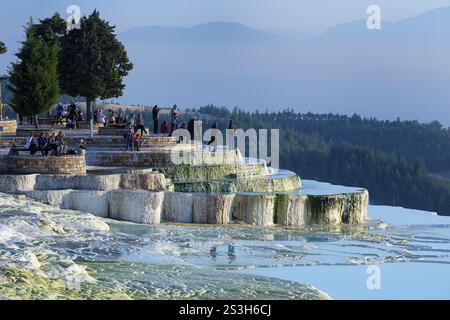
point(312, 16)
point(384, 81)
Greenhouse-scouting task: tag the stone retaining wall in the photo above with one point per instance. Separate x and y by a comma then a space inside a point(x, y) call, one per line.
point(100, 141)
point(87, 125)
point(9, 126)
point(113, 131)
point(75, 164)
point(160, 158)
point(25, 132)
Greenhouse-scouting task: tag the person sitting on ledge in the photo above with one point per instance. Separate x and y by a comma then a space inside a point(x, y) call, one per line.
point(212, 144)
point(42, 144)
point(82, 147)
point(71, 122)
point(33, 146)
point(111, 118)
point(29, 141)
point(183, 125)
point(140, 124)
point(61, 148)
point(52, 146)
point(164, 128)
point(137, 141)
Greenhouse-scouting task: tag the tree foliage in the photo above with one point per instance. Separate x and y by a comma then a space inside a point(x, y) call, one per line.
point(2, 48)
point(33, 79)
point(93, 61)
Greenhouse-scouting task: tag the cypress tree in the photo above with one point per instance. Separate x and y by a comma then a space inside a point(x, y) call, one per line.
point(33, 79)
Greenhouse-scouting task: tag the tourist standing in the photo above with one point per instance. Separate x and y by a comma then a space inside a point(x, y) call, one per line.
point(191, 128)
point(101, 118)
point(119, 119)
point(129, 131)
point(95, 116)
point(59, 111)
point(173, 119)
point(132, 120)
point(232, 134)
point(155, 115)
point(231, 125)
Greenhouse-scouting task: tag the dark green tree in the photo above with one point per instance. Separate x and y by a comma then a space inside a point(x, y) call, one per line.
point(2, 48)
point(93, 61)
point(33, 80)
point(52, 29)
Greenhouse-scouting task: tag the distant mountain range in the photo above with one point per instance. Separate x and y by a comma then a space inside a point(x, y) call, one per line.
point(208, 33)
point(402, 70)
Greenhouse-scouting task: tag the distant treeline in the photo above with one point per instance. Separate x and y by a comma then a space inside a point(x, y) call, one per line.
point(390, 158)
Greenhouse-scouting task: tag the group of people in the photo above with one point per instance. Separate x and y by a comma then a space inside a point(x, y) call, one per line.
point(164, 128)
point(53, 144)
point(132, 138)
point(72, 116)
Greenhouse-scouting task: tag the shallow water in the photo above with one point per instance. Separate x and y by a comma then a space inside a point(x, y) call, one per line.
point(58, 254)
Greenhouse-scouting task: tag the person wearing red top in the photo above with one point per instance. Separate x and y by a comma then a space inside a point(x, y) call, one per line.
point(164, 127)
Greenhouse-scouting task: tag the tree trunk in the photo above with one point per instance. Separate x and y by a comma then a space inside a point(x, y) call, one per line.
point(88, 109)
point(89, 116)
point(1, 101)
point(36, 123)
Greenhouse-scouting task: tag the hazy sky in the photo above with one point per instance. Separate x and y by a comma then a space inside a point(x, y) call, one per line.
point(312, 15)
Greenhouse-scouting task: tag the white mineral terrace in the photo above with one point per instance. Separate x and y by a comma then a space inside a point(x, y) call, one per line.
point(208, 187)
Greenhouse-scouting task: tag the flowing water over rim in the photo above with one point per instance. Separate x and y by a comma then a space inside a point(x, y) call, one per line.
point(48, 253)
